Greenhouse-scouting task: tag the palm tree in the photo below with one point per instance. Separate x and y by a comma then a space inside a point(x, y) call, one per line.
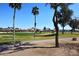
point(15, 6)
point(35, 12)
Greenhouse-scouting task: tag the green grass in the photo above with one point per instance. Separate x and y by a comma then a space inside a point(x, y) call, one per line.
point(68, 34)
point(24, 36)
point(21, 36)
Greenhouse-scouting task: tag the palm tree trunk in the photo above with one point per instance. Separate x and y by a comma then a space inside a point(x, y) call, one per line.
point(14, 25)
point(56, 28)
point(35, 27)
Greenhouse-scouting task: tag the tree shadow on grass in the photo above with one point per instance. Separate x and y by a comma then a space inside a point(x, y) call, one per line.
point(45, 35)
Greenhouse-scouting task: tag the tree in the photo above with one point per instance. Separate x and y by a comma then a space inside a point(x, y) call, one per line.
point(35, 12)
point(77, 24)
point(74, 24)
point(15, 6)
point(55, 21)
point(44, 29)
point(66, 16)
point(56, 17)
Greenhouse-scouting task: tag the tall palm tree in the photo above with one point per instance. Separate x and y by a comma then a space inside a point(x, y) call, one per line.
point(35, 12)
point(15, 6)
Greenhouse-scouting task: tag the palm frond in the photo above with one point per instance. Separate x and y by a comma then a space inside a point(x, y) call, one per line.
point(15, 5)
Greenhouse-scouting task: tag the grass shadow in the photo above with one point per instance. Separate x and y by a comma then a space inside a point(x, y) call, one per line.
point(45, 35)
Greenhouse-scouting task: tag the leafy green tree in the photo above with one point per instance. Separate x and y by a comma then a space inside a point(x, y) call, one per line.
point(74, 24)
point(56, 16)
point(66, 16)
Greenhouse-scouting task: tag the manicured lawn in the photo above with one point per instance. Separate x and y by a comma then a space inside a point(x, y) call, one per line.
point(21, 36)
point(29, 36)
point(68, 34)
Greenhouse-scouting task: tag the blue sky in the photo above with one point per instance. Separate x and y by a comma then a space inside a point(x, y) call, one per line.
point(25, 19)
